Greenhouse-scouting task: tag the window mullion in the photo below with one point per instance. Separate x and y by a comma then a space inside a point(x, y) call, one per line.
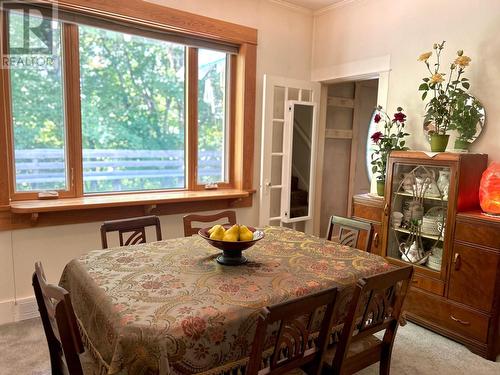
point(71, 64)
point(192, 118)
point(232, 118)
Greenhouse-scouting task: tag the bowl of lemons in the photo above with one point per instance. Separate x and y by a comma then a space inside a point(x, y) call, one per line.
point(232, 240)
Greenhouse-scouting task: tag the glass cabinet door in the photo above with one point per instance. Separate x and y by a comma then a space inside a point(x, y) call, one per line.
point(417, 221)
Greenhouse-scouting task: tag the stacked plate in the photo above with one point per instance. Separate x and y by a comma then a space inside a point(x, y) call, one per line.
point(430, 225)
point(435, 259)
point(433, 221)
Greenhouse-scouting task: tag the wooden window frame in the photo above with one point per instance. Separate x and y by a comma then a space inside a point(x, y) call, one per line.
point(240, 104)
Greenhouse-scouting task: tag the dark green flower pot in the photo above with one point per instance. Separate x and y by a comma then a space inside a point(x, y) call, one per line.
point(462, 145)
point(439, 142)
point(380, 187)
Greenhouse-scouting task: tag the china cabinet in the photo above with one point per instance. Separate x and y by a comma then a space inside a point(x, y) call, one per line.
point(430, 219)
point(422, 196)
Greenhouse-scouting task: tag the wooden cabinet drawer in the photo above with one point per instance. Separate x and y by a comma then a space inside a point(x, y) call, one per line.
point(426, 283)
point(483, 234)
point(448, 315)
point(369, 213)
point(473, 276)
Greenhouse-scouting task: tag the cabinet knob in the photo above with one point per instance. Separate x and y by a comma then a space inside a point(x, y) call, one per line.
point(463, 322)
point(375, 240)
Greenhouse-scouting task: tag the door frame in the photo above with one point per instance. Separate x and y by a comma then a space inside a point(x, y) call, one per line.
point(377, 68)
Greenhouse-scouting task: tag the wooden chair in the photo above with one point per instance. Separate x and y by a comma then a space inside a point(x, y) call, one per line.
point(376, 306)
point(291, 348)
point(67, 354)
point(136, 226)
point(189, 230)
point(349, 232)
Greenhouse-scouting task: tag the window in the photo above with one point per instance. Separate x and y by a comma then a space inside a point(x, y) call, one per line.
point(132, 104)
point(133, 90)
point(139, 110)
point(38, 119)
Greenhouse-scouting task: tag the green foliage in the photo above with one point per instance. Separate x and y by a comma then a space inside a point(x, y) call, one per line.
point(467, 112)
point(37, 104)
point(390, 139)
point(132, 96)
point(132, 91)
point(445, 92)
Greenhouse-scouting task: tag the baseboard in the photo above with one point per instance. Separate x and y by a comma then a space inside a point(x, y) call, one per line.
point(15, 311)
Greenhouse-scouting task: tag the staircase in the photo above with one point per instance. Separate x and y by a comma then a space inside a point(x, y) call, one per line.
point(299, 200)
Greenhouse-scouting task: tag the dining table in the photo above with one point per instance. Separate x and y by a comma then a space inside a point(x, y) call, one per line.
point(168, 307)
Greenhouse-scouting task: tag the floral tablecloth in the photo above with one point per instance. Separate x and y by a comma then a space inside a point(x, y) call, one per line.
point(169, 307)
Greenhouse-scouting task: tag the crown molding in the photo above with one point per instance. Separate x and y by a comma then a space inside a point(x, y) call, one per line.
point(298, 8)
point(336, 5)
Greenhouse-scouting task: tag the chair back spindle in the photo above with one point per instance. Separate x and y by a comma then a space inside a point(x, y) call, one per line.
point(348, 232)
point(188, 220)
point(292, 346)
point(376, 306)
point(130, 231)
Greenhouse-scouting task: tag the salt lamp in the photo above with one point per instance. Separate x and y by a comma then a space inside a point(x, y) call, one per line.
point(489, 190)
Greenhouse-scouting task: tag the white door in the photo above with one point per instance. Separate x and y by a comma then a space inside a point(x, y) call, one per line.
point(278, 94)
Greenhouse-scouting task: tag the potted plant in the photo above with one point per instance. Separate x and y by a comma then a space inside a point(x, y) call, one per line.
point(444, 91)
point(392, 137)
point(467, 113)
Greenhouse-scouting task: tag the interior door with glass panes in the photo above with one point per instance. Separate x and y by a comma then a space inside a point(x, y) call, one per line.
point(278, 94)
point(418, 214)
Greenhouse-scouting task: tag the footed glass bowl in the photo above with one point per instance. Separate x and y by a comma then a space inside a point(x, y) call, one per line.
point(232, 251)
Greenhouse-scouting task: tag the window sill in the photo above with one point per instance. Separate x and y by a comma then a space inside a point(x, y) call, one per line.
point(62, 211)
point(123, 200)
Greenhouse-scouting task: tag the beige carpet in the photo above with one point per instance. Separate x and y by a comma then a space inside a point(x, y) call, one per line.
point(23, 351)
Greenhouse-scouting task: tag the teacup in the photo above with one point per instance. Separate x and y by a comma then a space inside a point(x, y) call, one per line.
point(397, 218)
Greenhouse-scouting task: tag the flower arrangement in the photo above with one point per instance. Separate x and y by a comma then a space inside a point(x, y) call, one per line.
point(446, 92)
point(391, 138)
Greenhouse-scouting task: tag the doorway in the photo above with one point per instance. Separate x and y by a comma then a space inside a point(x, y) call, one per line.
point(349, 109)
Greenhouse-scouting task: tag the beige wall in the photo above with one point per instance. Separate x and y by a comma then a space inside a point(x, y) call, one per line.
point(367, 31)
point(284, 48)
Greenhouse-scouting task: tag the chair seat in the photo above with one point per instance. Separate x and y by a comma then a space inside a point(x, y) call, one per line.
point(355, 348)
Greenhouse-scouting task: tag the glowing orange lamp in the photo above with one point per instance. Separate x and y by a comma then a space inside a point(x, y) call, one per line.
point(489, 190)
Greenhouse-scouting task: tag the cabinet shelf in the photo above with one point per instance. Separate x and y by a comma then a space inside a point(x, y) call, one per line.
point(425, 235)
point(405, 194)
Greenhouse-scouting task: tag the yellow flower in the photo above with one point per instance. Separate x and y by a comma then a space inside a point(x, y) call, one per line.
point(437, 78)
point(425, 56)
point(462, 61)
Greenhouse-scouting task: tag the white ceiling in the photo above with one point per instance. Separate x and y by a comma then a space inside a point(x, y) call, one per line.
point(313, 4)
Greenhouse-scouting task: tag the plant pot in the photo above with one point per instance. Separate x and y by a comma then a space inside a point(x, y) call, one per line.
point(380, 187)
point(439, 142)
point(462, 145)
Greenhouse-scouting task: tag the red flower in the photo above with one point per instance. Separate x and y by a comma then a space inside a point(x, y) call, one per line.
point(376, 137)
point(400, 116)
point(193, 327)
point(377, 118)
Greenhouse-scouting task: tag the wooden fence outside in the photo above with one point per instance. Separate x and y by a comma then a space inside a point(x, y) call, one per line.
point(41, 168)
